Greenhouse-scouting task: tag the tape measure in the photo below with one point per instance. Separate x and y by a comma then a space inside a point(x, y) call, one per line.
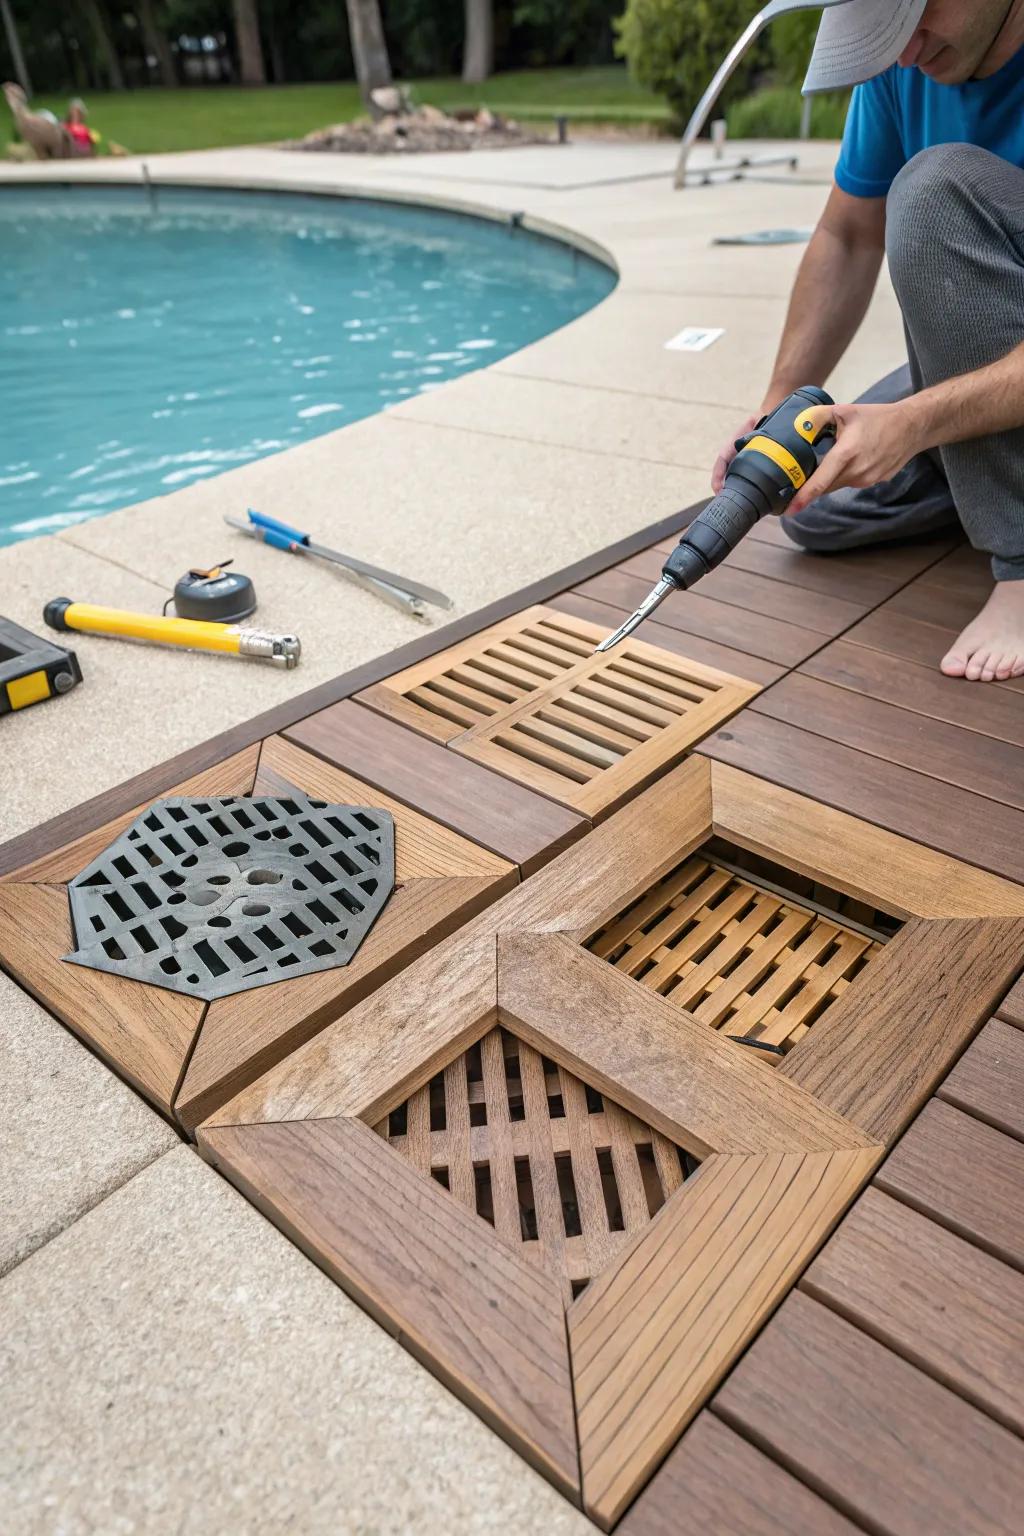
point(218, 595)
point(32, 669)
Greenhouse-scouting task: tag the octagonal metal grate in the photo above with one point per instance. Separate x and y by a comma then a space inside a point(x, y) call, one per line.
point(210, 897)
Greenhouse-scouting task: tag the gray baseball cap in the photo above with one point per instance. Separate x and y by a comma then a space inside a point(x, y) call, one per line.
point(858, 39)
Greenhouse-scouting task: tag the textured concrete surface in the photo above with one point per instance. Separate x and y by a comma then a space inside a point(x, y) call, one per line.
point(480, 486)
point(72, 1132)
point(173, 1365)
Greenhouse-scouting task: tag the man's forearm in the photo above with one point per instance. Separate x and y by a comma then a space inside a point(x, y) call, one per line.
point(974, 404)
point(830, 297)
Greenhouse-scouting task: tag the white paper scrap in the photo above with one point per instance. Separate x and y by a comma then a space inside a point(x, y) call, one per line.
point(694, 338)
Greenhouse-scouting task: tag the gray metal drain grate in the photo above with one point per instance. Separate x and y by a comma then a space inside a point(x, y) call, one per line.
point(211, 897)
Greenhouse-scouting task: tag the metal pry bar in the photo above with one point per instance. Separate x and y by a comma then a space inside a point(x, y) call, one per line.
point(654, 599)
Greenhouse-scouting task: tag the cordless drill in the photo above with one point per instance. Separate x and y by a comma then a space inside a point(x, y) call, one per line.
point(770, 466)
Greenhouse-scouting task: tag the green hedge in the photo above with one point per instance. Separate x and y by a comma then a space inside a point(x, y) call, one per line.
point(774, 113)
point(674, 47)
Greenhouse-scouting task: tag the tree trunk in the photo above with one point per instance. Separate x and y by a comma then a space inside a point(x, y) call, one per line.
point(478, 47)
point(104, 44)
point(247, 40)
point(14, 47)
point(155, 39)
point(369, 48)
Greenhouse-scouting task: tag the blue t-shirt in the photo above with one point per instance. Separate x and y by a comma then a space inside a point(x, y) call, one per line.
point(900, 112)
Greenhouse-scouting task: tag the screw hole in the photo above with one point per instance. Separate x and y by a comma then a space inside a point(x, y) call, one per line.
point(264, 877)
point(255, 909)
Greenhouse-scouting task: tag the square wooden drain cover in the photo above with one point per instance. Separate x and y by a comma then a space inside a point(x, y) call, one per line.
point(750, 957)
point(558, 1169)
point(530, 699)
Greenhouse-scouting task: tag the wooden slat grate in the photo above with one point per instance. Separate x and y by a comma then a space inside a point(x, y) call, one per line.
point(530, 699)
point(554, 1166)
point(473, 683)
point(747, 959)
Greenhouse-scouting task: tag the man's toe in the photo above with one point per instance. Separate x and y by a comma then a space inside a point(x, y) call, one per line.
point(954, 663)
point(976, 665)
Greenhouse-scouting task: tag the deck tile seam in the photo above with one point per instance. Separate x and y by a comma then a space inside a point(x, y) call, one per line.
point(848, 1315)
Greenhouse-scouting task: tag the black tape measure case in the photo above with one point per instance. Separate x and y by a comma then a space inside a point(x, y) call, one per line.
point(217, 596)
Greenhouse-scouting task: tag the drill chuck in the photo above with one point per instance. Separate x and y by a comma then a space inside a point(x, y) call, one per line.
point(770, 466)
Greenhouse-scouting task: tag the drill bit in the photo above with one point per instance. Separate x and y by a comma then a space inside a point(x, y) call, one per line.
point(653, 600)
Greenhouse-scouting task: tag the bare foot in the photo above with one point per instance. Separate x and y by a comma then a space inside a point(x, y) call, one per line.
point(991, 648)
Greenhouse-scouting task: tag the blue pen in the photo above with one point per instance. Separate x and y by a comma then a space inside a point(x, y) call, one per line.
point(401, 591)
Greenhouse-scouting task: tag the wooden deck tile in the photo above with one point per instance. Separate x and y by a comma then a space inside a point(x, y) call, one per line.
point(934, 1298)
point(988, 1080)
point(708, 652)
point(532, 699)
point(774, 639)
point(922, 689)
point(896, 636)
point(499, 814)
point(441, 879)
point(827, 614)
point(865, 576)
point(942, 816)
point(965, 1175)
point(912, 739)
point(898, 1451)
point(715, 1483)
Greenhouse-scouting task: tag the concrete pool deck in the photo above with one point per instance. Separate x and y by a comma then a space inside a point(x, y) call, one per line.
point(158, 1333)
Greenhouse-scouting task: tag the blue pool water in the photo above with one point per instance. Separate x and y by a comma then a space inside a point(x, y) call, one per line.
point(141, 350)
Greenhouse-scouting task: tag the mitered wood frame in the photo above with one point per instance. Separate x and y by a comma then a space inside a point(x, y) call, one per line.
point(188, 1057)
point(782, 1152)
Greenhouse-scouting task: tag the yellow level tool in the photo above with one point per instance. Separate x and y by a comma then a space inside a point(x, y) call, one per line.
point(190, 634)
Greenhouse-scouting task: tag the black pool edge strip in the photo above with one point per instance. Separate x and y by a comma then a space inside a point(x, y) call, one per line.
point(68, 825)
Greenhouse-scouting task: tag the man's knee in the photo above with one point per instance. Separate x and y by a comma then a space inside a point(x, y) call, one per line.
point(922, 202)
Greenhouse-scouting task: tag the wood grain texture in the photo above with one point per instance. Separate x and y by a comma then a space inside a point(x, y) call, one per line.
point(775, 640)
point(368, 1061)
point(715, 1483)
point(584, 888)
point(893, 1448)
point(967, 826)
point(828, 614)
point(441, 880)
point(980, 764)
point(1012, 1006)
point(922, 689)
point(102, 808)
point(143, 1032)
point(481, 677)
point(856, 857)
point(938, 1301)
point(488, 1324)
point(881, 1050)
point(507, 818)
point(651, 1338)
point(699, 1088)
point(233, 776)
point(592, 738)
point(741, 664)
point(896, 636)
point(864, 576)
point(988, 1080)
point(964, 1174)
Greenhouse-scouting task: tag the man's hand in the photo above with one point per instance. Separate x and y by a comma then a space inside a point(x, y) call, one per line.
point(728, 453)
point(872, 443)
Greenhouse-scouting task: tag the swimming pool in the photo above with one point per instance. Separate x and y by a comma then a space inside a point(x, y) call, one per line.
point(145, 346)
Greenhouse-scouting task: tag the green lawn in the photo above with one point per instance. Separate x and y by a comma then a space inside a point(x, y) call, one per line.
point(151, 121)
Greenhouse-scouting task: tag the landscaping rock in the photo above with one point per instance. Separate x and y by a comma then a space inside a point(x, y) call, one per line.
point(404, 129)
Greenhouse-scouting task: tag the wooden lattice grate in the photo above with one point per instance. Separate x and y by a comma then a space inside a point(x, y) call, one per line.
point(484, 677)
point(744, 956)
point(554, 1166)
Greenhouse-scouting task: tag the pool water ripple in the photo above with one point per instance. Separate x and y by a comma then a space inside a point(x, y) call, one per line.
point(141, 351)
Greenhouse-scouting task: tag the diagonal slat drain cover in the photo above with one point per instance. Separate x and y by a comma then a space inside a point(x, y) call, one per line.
point(211, 897)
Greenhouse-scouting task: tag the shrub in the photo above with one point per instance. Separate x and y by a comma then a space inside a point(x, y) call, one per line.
point(775, 114)
point(792, 40)
point(675, 46)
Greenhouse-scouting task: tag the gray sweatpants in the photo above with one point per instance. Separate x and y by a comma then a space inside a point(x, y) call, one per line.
point(955, 245)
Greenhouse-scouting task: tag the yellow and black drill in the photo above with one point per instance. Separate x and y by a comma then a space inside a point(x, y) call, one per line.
point(770, 466)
